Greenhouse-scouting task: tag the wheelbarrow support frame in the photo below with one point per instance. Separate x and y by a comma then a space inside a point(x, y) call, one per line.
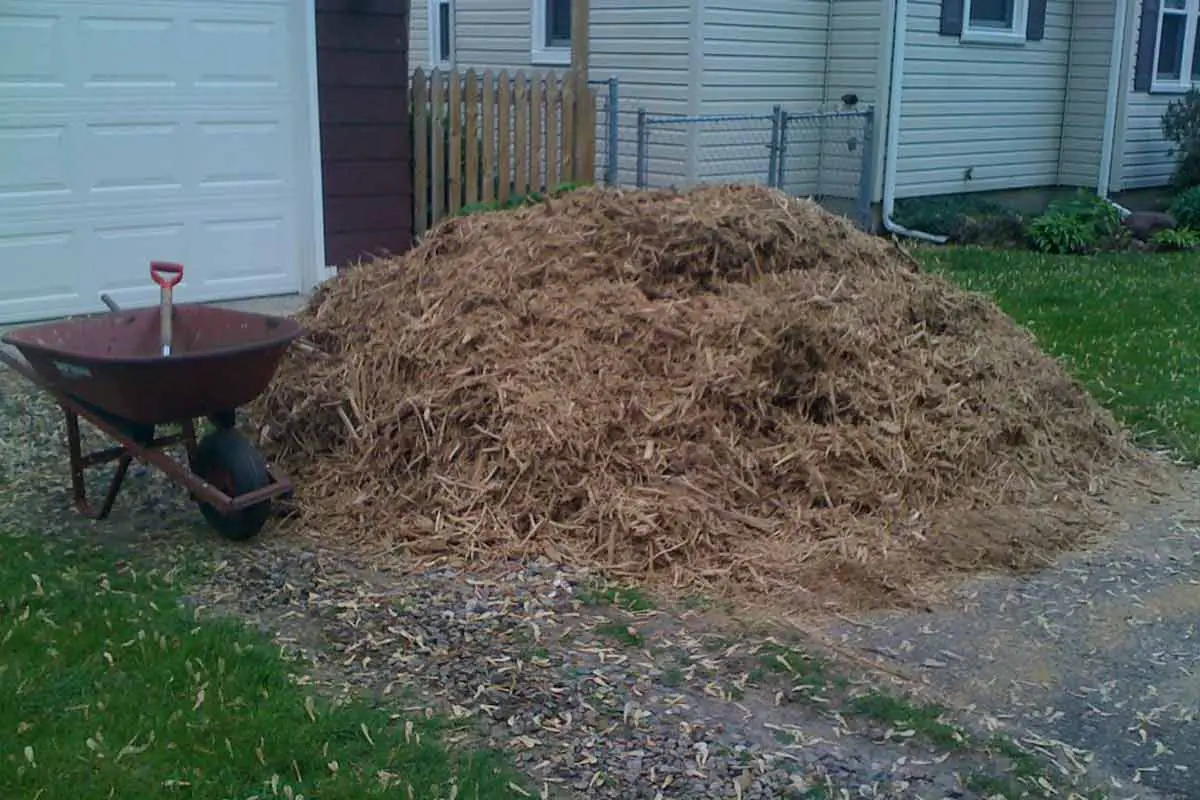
point(149, 450)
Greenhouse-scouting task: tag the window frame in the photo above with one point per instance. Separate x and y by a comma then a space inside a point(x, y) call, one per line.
point(435, 31)
point(541, 55)
point(1191, 15)
point(1015, 35)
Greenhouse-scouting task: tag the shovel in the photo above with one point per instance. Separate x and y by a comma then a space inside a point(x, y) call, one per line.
point(167, 276)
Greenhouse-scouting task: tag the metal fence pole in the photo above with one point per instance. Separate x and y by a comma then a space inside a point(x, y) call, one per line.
point(867, 180)
point(614, 96)
point(643, 146)
point(773, 147)
point(781, 161)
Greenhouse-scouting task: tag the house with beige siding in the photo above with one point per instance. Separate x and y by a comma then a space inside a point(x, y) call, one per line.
point(968, 95)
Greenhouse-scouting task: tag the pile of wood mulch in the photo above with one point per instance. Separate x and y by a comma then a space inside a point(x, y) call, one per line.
point(725, 390)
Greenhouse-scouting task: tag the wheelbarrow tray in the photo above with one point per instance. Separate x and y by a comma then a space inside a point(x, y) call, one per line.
point(221, 359)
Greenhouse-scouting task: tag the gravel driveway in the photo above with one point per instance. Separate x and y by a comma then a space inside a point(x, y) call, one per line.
point(598, 694)
point(1102, 652)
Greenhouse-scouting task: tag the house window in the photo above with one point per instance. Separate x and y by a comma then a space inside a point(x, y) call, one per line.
point(441, 33)
point(1176, 61)
point(551, 32)
point(1001, 21)
point(992, 14)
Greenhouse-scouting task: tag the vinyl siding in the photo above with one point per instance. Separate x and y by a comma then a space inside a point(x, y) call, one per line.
point(756, 56)
point(996, 110)
point(854, 51)
point(1146, 158)
point(642, 43)
point(1087, 93)
point(418, 35)
point(645, 45)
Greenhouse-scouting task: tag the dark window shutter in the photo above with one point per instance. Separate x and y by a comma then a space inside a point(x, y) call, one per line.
point(952, 18)
point(1035, 27)
point(1143, 71)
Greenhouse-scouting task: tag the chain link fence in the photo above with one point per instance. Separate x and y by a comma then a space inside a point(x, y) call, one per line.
point(826, 155)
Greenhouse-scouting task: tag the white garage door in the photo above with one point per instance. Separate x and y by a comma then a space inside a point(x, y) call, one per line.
point(133, 130)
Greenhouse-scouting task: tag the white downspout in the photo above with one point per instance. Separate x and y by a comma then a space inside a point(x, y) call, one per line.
point(895, 89)
point(1115, 73)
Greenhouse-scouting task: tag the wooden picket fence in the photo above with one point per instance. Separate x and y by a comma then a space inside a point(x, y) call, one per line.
point(484, 138)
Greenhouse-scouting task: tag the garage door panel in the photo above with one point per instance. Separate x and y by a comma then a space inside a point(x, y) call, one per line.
point(239, 247)
point(33, 47)
point(137, 157)
point(138, 50)
point(36, 163)
point(239, 53)
point(35, 270)
point(133, 130)
point(242, 154)
point(128, 249)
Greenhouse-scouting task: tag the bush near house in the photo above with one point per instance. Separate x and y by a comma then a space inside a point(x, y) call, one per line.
point(1084, 223)
point(1181, 125)
point(1186, 208)
point(1176, 239)
point(965, 219)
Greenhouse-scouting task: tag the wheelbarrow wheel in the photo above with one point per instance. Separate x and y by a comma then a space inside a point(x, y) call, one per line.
point(226, 460)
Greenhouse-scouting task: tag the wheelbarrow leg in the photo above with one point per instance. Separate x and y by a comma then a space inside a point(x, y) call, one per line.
point(188, 428)
point(79, 464)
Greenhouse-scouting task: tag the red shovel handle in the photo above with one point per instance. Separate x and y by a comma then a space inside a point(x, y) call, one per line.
point(166, 274)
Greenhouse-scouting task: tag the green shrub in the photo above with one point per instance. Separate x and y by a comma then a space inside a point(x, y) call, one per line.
point(1083, 223)
point(1186, 208)
point(1061, 233)
point(1181, 125)
point(965, 219)
point(1177, 239)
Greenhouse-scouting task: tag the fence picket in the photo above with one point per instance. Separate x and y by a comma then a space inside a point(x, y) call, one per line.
point(537, 134)
point(437, 148)
point(553, 105)
point(454, 179)
point(420, 124)
point(521, 139)
point(568, 129)
point(586, 141)
point(488, 171)
point(471, 100)
point(504, 121)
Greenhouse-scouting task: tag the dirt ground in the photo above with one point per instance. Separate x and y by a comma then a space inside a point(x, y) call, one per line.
point(1102, 652)
point(1090, 665)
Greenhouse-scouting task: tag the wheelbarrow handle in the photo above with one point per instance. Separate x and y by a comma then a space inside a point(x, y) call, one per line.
point(160, 270)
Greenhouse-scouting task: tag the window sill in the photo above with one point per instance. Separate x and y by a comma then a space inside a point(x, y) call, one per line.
point(550, 57)
point(1170, 88)
point(1001, 38)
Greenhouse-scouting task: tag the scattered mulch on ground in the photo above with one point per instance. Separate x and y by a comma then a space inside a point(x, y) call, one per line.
point(725, 389)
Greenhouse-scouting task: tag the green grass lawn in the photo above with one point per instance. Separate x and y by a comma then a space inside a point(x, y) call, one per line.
point(1125, 324)
point(109, 689)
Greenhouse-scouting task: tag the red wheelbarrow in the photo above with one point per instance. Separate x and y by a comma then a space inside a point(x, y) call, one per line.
point(130, 372)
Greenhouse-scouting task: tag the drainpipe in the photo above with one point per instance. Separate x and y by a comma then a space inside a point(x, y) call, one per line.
point(1115, 72)
point(895, 87)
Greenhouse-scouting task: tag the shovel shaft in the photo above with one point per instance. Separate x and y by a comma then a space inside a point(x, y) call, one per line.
point(164, 316)
point(167, 276)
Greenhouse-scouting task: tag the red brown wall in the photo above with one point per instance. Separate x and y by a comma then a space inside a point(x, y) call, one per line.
point(366, 142)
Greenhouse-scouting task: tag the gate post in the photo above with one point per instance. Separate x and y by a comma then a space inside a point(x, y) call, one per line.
point(867, 172)
point(773, 147)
